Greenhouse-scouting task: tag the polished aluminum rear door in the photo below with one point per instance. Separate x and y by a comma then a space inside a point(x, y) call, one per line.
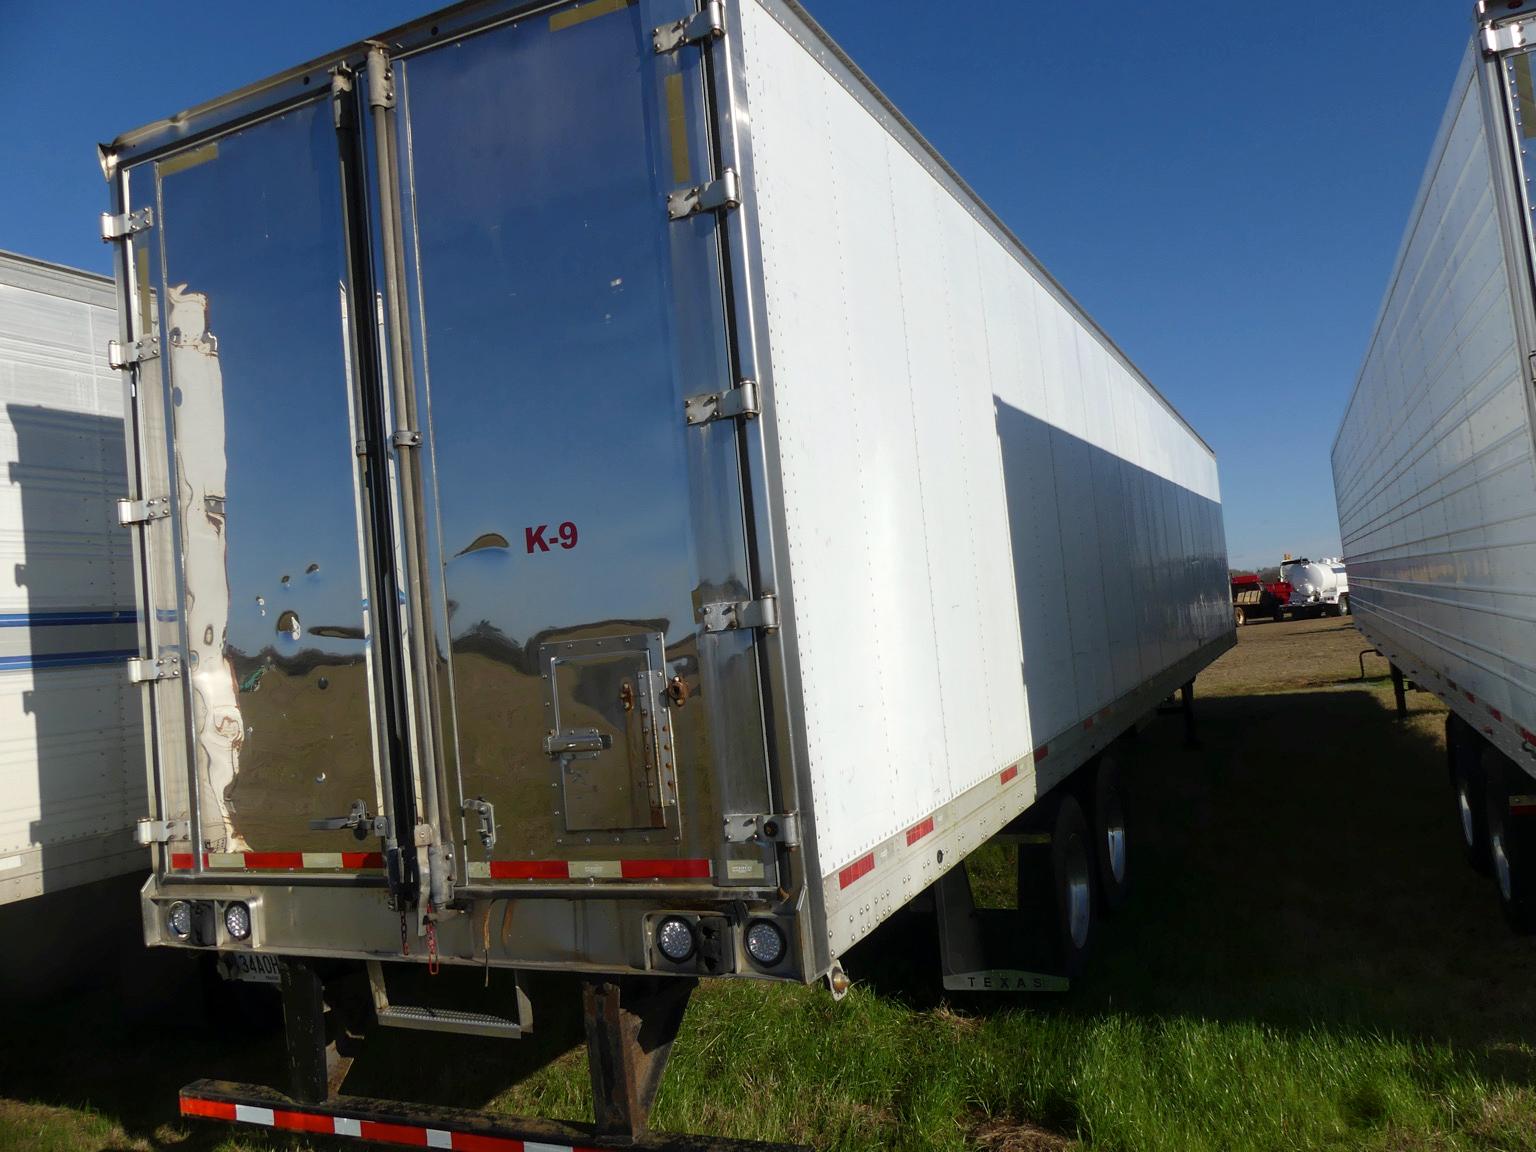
point(577, 524)
point(248, 425)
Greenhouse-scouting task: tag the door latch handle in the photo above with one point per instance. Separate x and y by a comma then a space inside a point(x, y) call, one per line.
point(485, 819)
point(565, 743)
point(357, 820)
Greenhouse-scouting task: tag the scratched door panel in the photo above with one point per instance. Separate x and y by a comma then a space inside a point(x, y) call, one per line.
point(262, 442)
point(577, 521)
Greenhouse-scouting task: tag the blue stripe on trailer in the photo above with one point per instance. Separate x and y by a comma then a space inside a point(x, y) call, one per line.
point(58, 619)
point(66, 659)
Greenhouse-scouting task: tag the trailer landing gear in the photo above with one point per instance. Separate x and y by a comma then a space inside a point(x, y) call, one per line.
point(631, 1022)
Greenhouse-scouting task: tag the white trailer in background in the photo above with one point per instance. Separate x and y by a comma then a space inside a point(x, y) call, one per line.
point(782, 531)
point(1434, 466)
point(72, 781)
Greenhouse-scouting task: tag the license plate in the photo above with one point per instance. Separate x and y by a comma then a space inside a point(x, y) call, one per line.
point(252, 967)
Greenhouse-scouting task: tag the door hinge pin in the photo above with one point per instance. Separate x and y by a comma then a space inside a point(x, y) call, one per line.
point(143, 511)
point(164, 667)
point(738, 401)
point(706, 24)
point(720, 195)
point(120, 355)
point(761, 613)
point(125, 225)
point(148, 831)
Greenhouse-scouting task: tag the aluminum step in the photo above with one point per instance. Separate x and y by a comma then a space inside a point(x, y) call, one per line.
point(448, 1019)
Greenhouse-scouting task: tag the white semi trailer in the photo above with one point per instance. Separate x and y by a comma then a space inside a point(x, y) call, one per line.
point(72, 781)
point(1435, 465)
point(609, 498)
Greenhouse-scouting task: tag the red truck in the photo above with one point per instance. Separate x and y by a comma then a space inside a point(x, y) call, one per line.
point(1251, 597)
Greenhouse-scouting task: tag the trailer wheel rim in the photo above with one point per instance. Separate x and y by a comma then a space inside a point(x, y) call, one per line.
point(1112, 824)
point(1500, 864)
point(1079, 893)
point(1464, 806)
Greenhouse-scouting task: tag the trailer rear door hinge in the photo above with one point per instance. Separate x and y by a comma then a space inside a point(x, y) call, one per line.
point(143, 511)
point(164, 667)
point(720, 195)
point(121, 227)
point(1503, 38)
point(706, 24)
point(780, 828)
point(738, 401)
point(148, 831)
point(763, 613)
point(120, 355)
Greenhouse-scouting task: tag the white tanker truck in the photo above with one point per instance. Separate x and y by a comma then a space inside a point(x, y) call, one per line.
point(1318, 587)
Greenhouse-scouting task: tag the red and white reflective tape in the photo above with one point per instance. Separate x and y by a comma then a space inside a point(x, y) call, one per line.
point(863, 866)
point(381, 1132)
point(1527, 737)
point(282, 861)
point(591, 869)
point(919, 830)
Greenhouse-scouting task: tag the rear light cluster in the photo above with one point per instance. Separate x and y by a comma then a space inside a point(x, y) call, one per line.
point(197, 922)
point(706, 943)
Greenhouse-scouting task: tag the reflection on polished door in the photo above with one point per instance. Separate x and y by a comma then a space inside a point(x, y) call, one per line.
point(262, 440)
point(577, 521)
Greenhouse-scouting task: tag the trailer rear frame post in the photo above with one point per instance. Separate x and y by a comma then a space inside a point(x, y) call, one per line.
point(1399, 693)
point(631, 1022)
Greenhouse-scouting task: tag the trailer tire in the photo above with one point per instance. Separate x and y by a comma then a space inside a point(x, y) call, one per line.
point(1464, 754)
point(1344, 604)
point(1072, 881)
point(1238, 616)
point(1511, 841)
point(1110, 839)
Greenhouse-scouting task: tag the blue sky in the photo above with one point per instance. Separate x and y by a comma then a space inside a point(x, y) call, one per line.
point(1223, 188)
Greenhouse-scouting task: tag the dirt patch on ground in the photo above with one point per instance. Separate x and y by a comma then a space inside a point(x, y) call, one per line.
point(1274, 657)
point(1017, 1136)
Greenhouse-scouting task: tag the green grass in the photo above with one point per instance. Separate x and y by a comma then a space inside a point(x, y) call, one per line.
point(1306, 963)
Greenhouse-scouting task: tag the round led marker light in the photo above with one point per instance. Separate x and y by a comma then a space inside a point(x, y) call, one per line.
point(178, 919)
point(674, 939)
point(237, 919)
point(765, 943)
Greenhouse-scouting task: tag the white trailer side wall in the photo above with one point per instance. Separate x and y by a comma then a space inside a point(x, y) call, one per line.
point(996, 528)
point(72, 779)
point(1433, 466)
